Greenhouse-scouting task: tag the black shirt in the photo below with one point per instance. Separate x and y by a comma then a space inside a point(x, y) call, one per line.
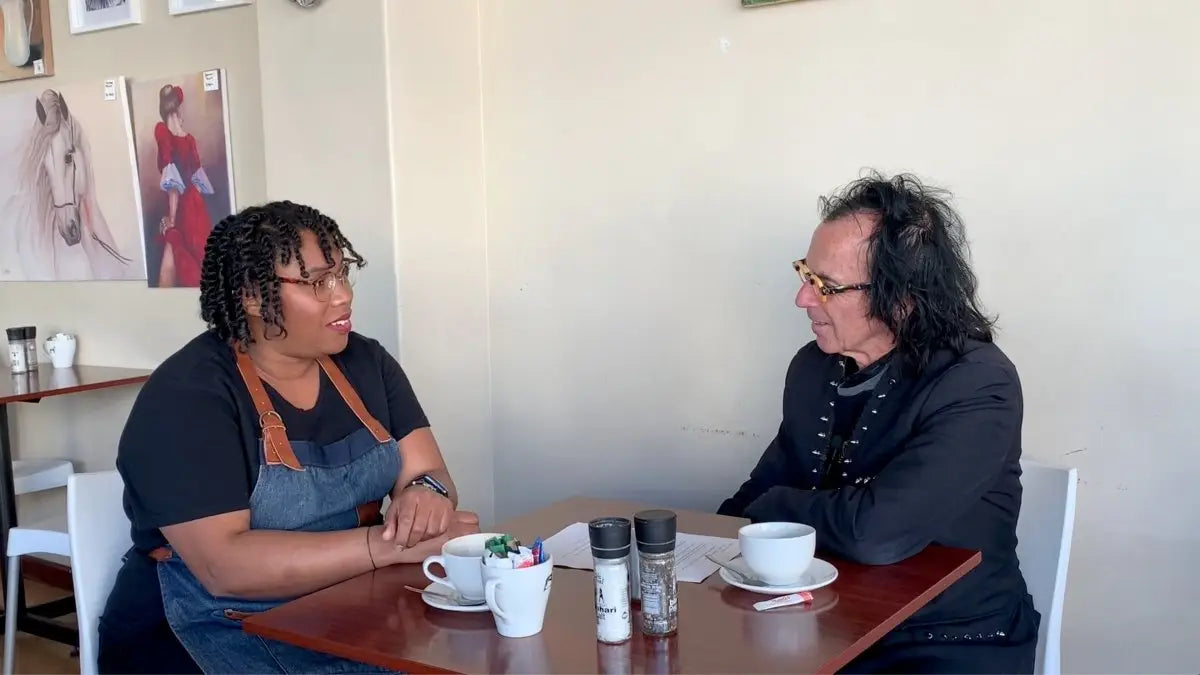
point(934, 457)
point(190, 448)
point(853, 392)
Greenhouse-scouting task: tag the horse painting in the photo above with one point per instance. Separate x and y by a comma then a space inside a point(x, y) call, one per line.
point(58, 231)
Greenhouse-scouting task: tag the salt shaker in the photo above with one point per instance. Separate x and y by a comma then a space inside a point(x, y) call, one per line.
point(610, 556)
point(655, 532)
point(18, 352)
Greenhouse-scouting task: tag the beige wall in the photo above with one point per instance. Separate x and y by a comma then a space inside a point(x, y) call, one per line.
point(325, 129)
point(125, 323)
point(441, 230)
point(653, 169)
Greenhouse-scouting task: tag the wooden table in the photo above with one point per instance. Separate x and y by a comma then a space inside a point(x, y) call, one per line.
point(31, 388)
point(371, 618)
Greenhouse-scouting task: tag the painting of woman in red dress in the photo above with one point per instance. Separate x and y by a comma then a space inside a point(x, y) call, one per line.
point(181, 131)
point(186, 225)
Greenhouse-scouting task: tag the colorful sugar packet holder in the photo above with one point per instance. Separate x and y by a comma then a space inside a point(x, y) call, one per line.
point(508, 553)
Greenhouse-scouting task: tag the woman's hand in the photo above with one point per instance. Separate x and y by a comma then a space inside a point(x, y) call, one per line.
point(415, 514)
point(388, 552)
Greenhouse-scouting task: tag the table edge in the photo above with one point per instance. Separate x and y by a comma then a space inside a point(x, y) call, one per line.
point(75, 389)
point(251, 626)
point(876, 634)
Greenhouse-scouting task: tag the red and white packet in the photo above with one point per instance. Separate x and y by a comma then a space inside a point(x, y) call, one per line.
point(784, 601)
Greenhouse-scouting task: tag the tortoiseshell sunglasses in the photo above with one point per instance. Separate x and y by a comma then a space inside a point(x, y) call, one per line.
point(823, 289)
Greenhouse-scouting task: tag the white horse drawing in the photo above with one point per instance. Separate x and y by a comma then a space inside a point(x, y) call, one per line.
point(58, 231)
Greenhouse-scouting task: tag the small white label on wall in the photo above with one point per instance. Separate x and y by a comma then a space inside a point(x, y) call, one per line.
point(39, 67)
point(110, 90)
point(212, 80)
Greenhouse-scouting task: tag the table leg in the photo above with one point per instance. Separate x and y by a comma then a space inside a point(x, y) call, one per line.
point(27, 619)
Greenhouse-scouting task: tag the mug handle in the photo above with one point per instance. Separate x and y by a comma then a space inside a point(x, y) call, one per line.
point(489, 596)
point(437, 560)
point(48, 347)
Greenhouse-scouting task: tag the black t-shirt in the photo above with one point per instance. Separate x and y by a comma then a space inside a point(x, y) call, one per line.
point(190, 448)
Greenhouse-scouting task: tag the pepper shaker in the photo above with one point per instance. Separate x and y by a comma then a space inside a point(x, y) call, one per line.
point(31, 346)
point(610, 555)
point(655, 532)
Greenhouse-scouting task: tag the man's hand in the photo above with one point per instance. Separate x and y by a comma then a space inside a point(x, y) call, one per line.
point(389, 552)
point(417, 513)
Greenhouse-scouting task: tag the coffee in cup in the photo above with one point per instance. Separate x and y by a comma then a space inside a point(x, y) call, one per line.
point(778, 553)
point(461, 558)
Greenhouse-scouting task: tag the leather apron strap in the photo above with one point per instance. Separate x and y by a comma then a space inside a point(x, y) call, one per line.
point(276, 446)
point(352, 400)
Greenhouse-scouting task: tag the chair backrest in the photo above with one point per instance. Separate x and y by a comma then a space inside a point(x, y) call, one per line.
point(1044, 529)
point(99, 533)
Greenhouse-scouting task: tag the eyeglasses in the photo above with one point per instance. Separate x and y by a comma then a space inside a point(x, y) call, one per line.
point(823, 289)
point(323, 285)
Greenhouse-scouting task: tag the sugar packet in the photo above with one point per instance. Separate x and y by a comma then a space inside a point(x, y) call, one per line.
point(507, 552)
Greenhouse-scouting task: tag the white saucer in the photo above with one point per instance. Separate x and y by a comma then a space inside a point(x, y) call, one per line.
point(819, 575)
point(436, 598)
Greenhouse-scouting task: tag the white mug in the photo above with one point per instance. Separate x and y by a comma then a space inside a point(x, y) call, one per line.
point(461, 558)
point(61, 349)
point(518, 597)
point(779, 553)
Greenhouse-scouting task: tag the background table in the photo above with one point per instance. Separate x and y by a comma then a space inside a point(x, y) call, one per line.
point(31, 388)
point(371, 618)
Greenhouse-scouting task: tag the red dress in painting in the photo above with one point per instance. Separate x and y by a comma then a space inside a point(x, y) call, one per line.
point(179, 163)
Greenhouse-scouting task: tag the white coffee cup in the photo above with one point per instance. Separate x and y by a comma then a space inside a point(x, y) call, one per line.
point(518, 597)
point(779, 553)
point(61, 349)
point(462, 559)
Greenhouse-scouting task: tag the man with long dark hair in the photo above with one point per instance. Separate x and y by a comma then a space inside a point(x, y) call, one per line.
point(902, 425)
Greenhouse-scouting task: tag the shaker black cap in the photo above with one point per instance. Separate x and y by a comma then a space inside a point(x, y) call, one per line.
point(15, 333)
point(655, 530)
point(609, 537)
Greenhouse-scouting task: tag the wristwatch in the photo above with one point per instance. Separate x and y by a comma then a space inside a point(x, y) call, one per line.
point(427, 481)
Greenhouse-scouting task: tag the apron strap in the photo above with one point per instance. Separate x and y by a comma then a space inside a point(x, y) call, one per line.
point(276, 446)
point(351, 398)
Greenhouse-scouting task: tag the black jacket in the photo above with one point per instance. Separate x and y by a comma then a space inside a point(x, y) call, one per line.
point(933, 458)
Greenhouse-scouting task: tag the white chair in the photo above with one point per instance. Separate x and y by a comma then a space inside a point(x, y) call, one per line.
point(35, 475)
point(1044, 529)
point(99, 532)
point(31, 475)
point(96, 537)
point(23, 541)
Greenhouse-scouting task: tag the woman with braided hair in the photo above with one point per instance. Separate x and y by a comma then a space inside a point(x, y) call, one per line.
point(256, 458)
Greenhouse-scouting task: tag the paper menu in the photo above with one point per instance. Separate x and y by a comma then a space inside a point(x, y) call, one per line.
point(571, 548)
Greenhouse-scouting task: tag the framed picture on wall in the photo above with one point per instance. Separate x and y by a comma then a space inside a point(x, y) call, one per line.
point(90, 15)
point(185, 170)
point(25, 40)
point(190, 6)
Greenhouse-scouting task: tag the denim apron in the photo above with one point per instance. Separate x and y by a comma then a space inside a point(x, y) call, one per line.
point(301, 487)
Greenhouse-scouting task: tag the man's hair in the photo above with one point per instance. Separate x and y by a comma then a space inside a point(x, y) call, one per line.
point(240, 258)
point(922, 286)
